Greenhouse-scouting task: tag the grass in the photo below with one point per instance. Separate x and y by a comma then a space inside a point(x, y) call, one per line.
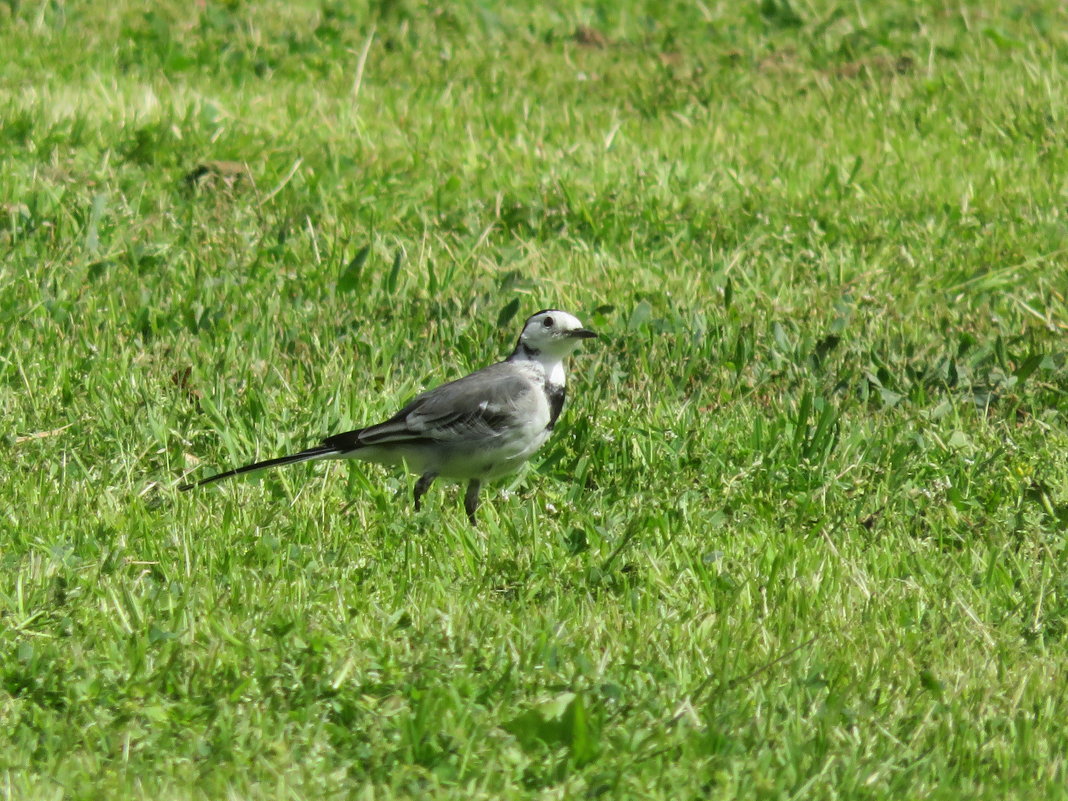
point(800, 532)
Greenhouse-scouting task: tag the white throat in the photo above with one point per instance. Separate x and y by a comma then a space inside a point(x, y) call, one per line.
point(554, 372)
point(551, 365)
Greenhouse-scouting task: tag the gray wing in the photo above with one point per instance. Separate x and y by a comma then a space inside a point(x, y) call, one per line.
point(479, 406)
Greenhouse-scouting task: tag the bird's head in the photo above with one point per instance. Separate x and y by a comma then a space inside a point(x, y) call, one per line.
point(551, 334)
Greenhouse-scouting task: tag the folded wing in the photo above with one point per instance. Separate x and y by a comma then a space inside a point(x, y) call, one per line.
point(481, 406)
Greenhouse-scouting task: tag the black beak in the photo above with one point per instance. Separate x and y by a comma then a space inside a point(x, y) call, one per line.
point(582, 333)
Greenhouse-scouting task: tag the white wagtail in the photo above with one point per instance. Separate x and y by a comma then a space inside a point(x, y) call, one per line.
point(476, 428)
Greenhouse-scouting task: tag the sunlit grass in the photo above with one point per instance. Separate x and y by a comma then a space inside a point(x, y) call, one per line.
point(799, 533)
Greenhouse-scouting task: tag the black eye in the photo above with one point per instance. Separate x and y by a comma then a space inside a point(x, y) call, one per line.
point(547, 322)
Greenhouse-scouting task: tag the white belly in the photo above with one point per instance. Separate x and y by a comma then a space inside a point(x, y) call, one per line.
point(479, 452)
point(487, 458)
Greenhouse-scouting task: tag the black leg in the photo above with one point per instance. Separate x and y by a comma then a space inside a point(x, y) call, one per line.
point(471, 500)
point(422, 485)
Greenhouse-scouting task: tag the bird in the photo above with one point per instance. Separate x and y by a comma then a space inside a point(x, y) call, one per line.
point(475, 429)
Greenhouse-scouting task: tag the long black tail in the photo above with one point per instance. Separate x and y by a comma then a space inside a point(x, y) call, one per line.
point(318, 452)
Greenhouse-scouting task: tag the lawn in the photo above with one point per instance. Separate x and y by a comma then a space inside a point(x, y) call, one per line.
point(800, 532)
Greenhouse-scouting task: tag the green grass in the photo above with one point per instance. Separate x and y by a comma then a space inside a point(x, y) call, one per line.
point(800, 532)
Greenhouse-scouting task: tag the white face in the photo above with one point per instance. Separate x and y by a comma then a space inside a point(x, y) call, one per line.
point(554, 333)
